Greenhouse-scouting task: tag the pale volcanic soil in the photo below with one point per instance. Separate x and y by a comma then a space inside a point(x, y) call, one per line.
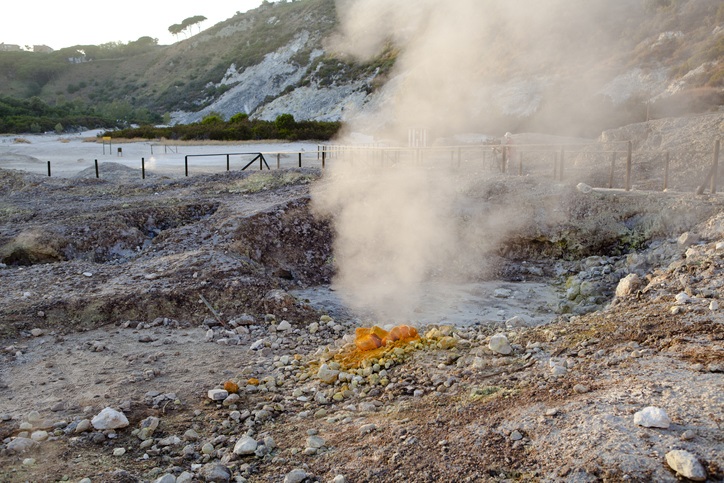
point(144, 295)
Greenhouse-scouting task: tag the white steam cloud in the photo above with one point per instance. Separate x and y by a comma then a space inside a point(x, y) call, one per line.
point(398, 226)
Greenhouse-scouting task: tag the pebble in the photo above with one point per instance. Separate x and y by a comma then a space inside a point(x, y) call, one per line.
point(119, 451)
point(367, 428)
point(515, 435)
point(327, 375)
point(315, 442)
point(688, 435)
point(284, 325)
point(83, 426)
point(167, 478)
point(627, 285)
point(652, 417)
point(218, 394)
point(339, 479)
point(39, 436)
point(500, 345)
point(297, 475)
point(246, 445)
point(109, 418)
point(21, 445)
point(215, 472)
point(207, 448)
point(686, 465)
point(36, 332)
point(29, 461)
point(580, 389)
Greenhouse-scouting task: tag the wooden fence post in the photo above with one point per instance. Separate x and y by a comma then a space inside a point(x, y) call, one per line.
point(666, 172)
point(613, 166)
point(628, 166)
point(715, 167)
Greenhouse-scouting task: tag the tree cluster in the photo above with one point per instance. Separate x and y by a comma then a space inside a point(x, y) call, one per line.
point(238, 128)
point(178, 28)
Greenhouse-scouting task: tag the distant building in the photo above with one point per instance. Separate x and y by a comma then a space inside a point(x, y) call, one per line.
point(9, 47)
point(44, 49)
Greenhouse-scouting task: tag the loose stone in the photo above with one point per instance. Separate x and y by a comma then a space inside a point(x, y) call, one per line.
point(652, 417)
point(686, 465)
point(109, 418)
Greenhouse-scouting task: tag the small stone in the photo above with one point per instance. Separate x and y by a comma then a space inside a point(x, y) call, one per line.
point(584, 188)
point(85, 480)
point(315, 442)
point(119, 451)
point(297, 475)
point(29, 461)
point(284, 325)
point(215, 472)
point(686, 465)
point(87, 274)
point(367, 428)
point(327, 375)
point(246, 445)
point(339, 479)
point(687, 435)
point(713, 305)
point(652, 417)
point(687, 239)
point(500, 345)
point(36, 332)
point(21, 445)
point(559, 370)
point(185, 477)
point(551, 412)
point(207, 448)
point(682, 298)
point(516, 436)
point(167, 478)
point(109, 418)
point(39, 436)
point(628, 285)
point(217, 394)
point(83, 426)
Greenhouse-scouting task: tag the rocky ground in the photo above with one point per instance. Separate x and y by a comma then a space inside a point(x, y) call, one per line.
point(149, 333)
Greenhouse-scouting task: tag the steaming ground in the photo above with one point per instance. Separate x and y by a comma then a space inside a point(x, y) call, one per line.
point(113, 318)
point(486, 303)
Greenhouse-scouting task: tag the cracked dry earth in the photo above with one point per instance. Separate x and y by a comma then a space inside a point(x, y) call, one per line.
point(144, 297)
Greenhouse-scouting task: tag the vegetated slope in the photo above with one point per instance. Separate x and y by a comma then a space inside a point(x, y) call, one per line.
point(271, 60)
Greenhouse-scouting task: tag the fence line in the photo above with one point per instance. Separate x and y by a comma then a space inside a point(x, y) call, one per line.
point(592, 163)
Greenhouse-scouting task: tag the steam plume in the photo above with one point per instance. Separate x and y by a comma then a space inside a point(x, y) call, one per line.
point(462, 65)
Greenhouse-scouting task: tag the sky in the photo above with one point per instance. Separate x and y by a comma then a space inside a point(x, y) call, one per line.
point(64, 24)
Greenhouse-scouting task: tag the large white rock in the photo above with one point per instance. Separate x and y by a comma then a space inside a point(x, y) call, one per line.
point(500, 345)
point(686, 465)
point(245, 446)
point(627, 285)
point(652, 417)
point(109, 418)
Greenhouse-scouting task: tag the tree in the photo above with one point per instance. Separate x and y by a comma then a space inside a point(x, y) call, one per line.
point(176, 29)
point(285, 122)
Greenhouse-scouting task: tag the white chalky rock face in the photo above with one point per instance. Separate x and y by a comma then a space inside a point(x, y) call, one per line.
point(652, 417)
point(500, 345)
point(686, 465)
point(109, 418)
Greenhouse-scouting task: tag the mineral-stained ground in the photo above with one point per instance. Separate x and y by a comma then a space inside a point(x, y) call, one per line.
point(153, 297)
